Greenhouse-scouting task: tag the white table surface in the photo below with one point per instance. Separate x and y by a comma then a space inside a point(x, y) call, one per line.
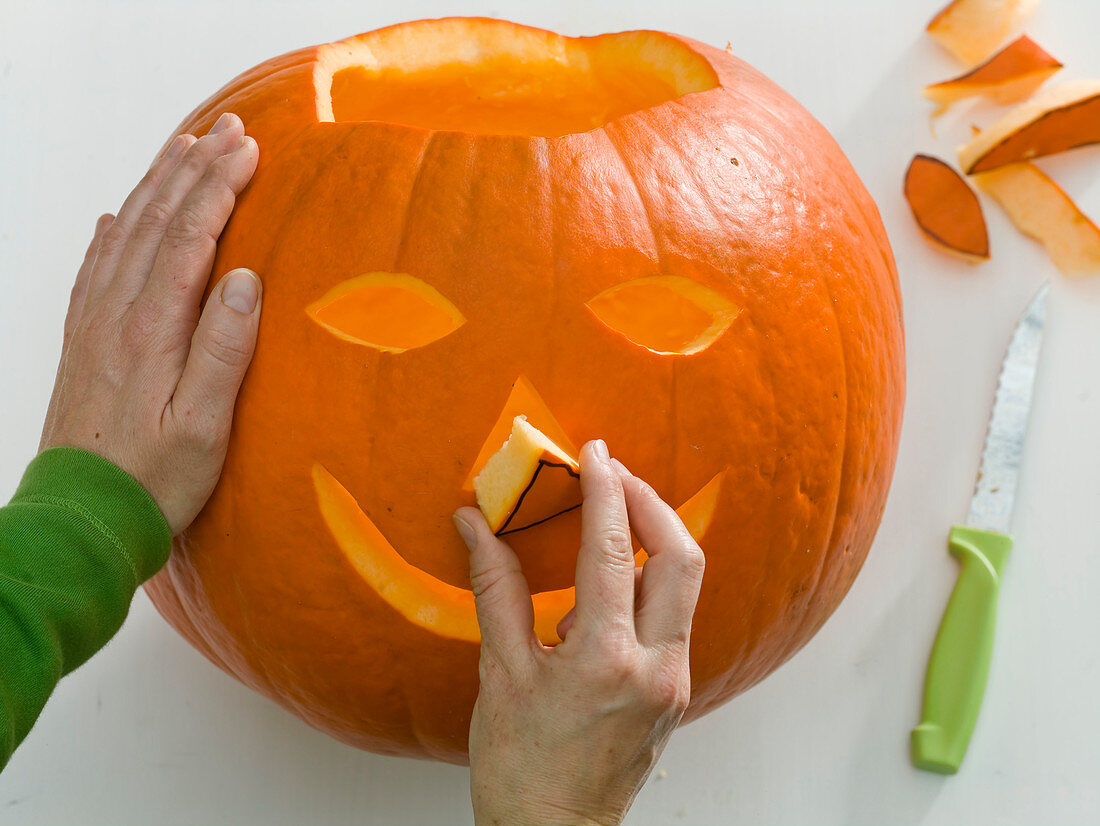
point(149, 732)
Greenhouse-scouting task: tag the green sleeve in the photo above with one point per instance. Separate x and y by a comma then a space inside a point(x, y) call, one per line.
point(78, 538)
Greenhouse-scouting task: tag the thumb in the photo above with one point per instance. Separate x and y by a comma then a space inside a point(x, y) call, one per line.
point(501, 594)
point(222, 346)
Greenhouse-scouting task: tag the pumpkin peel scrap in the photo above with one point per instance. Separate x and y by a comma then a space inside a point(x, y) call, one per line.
point(1054, 120)
point(1011, 75)
point(1042, 210)
point(973, 29)
point(946, 208)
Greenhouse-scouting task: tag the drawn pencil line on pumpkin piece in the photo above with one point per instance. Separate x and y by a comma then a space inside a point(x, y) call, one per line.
point(543, 463)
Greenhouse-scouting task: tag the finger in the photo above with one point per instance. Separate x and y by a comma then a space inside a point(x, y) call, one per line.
point(221, 350)
point(182, 269)
point(163, 211)
point(566, 622)
point(116, 237)
point(502, 597)
point(80, 286)
point(672, 574)
point(605, 563)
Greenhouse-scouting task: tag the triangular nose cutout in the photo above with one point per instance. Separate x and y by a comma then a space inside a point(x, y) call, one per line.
point(524, 400)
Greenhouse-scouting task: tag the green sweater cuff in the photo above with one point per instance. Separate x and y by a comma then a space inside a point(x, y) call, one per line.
point(107, 497)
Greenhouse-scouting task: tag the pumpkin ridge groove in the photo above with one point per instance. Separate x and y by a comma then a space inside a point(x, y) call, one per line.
point(843, 452)
point(403, 229)
point(641, 198)
point(670, 365)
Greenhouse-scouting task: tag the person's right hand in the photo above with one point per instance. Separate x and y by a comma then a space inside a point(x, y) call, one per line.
point(568, 734)
point(144, 380)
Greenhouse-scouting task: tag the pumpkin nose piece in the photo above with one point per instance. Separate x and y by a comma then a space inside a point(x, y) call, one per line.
point(525, 481)
point(524, 400)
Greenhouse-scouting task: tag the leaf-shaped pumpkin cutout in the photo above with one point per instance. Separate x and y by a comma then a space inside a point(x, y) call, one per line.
point(946, 208)
point(388, 311)
point(667, 314)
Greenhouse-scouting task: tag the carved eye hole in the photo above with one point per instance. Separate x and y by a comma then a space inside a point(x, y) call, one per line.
point(388, 311)
point(666, 314)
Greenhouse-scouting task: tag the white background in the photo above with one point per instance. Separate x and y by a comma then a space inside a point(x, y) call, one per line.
point(149, 732)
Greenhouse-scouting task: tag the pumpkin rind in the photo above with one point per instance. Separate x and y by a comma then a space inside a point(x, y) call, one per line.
point(797, 403)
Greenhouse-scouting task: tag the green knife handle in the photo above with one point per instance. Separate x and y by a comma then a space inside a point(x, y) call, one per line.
point(959, 665)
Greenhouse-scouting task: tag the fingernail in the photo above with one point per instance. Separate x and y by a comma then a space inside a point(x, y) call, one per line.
point(241, 291)
point(176, 146)
point(466, 531)
point(600, 449)
point(221, 124)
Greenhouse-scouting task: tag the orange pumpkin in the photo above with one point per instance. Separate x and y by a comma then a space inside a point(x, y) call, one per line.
point(633, 236)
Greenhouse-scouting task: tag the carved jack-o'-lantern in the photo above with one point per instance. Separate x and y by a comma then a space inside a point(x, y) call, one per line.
point(635, 237)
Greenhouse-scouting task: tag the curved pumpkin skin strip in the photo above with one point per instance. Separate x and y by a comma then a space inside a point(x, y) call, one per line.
point(429, 602)
point(1060, 118)
point(1012, 74)
point(972, 29)
point(946, 208)
point(1042, 210)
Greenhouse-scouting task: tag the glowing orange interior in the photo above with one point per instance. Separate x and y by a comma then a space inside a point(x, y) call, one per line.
point(667, 314)
point(489, 77)
point(389, 311)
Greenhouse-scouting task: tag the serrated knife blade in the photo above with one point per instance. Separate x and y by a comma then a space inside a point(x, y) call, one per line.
point(995, 489)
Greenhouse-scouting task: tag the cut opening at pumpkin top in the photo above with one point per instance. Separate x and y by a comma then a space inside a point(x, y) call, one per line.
point(493, 77)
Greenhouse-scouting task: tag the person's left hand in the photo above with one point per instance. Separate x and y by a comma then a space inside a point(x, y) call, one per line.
point(144, 381)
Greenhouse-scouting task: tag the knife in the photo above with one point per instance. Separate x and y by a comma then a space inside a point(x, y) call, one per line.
point(959, 665)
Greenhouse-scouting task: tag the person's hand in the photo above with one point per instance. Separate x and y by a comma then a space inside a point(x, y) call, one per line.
point(144, 381)
point(568, 734)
